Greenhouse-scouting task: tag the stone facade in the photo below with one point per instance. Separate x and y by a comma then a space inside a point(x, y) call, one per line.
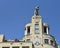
point(37, 35)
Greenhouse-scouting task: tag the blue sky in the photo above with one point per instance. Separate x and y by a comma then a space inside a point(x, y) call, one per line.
point(15, 14)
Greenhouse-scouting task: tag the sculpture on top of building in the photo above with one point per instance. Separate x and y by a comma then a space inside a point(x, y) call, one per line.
point(37, 35)
point(36, 10)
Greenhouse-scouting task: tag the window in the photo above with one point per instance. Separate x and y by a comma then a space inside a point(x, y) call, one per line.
point(36, 28)
point(28, 30)
point(15, 47)
point(36, 25)
point(51, 42)
point(5, 47)
point(25, 46)
point(28, 40)
point(45, 30)
point(46, 41)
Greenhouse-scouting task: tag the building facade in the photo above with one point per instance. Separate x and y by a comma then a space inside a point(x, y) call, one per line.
point(37, 35)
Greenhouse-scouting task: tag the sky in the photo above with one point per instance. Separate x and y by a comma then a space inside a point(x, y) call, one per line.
point(15, 14)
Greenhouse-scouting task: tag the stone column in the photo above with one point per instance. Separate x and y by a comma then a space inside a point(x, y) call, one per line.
point(47, 30)
point(26, 31)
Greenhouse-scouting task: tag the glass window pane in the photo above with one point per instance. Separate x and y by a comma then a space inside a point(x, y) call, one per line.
point(5, 47)
point(36, 25)
point(36, 31)
point(36, 28)
point(15, 47)
point(25, 47)
point(51, 42)
point(28, 40)
point(46, 41)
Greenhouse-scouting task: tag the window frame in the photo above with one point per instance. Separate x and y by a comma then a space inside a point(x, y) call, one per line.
point(36, 28)
point(28, 30)
point(15, 47)
point(51, 42)
point(28, 40)
point(25, 46)
point(5, 47)
point(45, 30)
point(46, 41)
